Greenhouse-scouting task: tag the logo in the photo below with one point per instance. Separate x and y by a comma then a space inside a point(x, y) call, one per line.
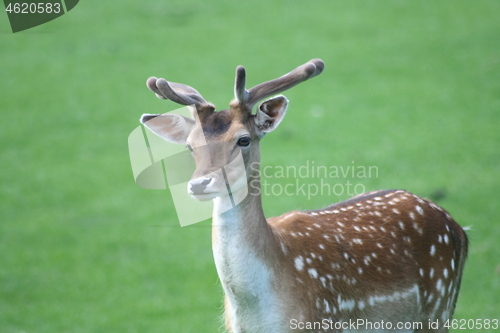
point(28, 14)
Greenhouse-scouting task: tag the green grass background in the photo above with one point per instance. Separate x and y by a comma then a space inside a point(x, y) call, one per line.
point(412, 87)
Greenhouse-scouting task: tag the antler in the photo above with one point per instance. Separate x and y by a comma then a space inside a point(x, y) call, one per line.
point(266, 89)
point(176, 92)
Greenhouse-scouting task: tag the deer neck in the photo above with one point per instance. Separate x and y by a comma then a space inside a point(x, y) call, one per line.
point(243, 225)
point(244, 249)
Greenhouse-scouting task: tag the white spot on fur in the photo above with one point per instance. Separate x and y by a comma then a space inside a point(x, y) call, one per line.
point(313, 272)
point(439, 284)
point(433, 250)
point(299, 263)
point(347, 305)
point(395, 297)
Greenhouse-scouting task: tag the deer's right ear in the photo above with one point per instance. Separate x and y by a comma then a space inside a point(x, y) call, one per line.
point(173, 128)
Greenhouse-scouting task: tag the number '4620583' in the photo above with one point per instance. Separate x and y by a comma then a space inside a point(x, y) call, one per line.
point(34, 8)
point(471, 324)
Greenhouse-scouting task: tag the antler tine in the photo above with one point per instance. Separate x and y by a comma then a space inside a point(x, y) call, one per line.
point(240, 93)
point(151, 84)
point(176, 92)
point(269, 88)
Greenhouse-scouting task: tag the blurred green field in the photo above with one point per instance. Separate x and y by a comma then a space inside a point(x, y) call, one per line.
point(411, 87)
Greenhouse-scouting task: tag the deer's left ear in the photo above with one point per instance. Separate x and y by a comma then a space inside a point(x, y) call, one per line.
point(270, 113)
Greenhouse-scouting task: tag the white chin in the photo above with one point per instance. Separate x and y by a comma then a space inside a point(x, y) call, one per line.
point(204, 196)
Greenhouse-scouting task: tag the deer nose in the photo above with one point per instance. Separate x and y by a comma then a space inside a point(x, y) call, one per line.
point(198, 185)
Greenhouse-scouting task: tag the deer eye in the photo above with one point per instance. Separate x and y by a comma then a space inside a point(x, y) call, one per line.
point(244, 141)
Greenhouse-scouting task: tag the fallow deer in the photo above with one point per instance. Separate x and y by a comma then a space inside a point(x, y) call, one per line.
point(381, 257)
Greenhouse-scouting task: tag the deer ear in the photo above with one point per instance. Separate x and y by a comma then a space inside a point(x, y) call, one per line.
point(270, 113)
point(173, 128)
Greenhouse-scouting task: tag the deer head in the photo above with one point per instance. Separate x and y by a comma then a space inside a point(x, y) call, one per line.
point(224, 144)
